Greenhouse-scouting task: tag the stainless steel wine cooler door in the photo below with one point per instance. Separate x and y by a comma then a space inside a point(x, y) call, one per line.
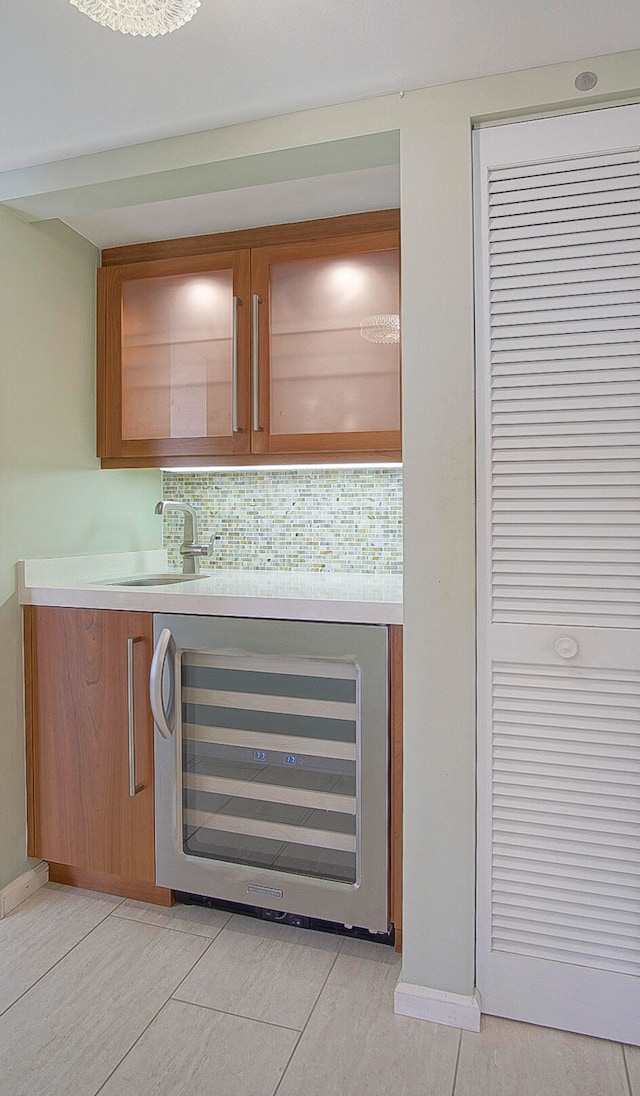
point(271, 764)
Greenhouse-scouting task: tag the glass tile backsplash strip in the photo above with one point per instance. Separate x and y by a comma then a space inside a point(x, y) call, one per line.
point(289, 519)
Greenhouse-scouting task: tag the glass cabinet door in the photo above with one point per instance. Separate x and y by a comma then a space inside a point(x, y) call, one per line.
point(329, 345)
point(179, 356)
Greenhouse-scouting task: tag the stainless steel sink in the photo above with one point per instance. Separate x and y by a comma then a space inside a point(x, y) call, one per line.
point(153, 580)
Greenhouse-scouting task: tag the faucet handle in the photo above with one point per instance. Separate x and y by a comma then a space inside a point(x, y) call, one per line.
point(198, 549)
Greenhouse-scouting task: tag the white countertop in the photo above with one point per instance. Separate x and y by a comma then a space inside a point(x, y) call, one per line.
point(85, 582)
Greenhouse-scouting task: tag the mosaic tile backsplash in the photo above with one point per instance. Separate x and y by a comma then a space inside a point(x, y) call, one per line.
point(288, 520)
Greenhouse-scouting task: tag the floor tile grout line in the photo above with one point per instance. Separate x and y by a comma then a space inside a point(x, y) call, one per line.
point(176, 988)
point(233, 917)
point(154, 1017)
point(212, 941)
point(54, 965)
point(174, 928)
point(221, 1012)
point(321, 991)
point(120, 903)
point(288, 1063)
point(626, 1069)
point(455, 1070)
point(306, 1024)
point(237, 1015)
point(241, 1016)
point(134, 1044)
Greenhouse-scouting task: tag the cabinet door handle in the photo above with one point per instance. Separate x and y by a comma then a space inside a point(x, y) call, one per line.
point(131, 644)
point(255, 376)
point(234, 361)
point(160, 715)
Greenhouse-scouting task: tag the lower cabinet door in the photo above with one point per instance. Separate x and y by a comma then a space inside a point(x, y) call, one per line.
point(90, 744)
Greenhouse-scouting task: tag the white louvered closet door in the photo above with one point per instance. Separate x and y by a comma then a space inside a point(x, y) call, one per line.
point(558, 360)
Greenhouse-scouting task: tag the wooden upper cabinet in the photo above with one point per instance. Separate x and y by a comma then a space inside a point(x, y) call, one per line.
point(284, 346)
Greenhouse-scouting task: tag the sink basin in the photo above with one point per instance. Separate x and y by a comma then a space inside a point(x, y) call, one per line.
point(154, 580)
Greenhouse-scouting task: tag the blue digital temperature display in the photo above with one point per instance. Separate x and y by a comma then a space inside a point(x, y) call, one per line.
point(290, 759)
point(259, 755)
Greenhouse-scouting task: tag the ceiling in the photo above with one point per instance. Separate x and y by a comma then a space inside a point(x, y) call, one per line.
point(69, 86)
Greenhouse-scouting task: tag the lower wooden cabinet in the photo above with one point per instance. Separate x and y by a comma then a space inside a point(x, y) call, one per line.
point(90, 748)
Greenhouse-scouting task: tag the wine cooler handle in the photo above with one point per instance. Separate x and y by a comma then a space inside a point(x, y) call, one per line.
point(155, 684)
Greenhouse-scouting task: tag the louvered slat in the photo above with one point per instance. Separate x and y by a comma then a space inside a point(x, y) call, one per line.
point(566, 794)
point(565, 390)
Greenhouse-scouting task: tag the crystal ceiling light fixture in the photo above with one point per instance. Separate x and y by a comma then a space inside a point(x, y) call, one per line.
point(143, 17)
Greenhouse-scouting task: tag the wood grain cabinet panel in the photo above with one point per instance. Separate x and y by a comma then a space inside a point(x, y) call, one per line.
point(81, 815)
point(252, 347)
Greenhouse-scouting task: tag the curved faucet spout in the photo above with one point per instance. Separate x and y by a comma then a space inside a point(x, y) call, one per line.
point(190, 517)
point(189, 550)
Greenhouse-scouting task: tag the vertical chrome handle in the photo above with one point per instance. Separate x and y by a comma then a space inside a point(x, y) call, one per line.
point(155, 684)
point(131, 644)
point(255, 376)
point(234, 363)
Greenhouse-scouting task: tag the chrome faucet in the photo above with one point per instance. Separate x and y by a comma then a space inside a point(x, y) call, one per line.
point(189, 550)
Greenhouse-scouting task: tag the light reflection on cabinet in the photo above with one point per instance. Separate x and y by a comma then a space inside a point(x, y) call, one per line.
point(325, 377)
point(176, 356)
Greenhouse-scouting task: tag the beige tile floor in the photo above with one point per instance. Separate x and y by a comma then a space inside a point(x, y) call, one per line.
point(101, 995)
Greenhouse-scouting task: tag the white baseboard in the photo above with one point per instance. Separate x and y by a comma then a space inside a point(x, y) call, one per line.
point(437, 1006)
point(23, 887)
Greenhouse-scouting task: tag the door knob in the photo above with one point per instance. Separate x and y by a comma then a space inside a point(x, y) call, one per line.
point(566, 647)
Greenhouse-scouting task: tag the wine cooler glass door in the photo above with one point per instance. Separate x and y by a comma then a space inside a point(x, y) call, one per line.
point(274, 781)
point(269, 762)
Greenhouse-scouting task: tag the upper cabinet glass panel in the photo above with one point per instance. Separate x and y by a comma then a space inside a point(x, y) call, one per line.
point(334, 344)
point(177, 356)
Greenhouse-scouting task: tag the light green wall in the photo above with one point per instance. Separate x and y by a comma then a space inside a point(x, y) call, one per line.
point(54, 499)
point(437, 278)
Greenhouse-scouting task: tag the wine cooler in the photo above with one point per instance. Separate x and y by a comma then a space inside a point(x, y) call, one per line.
point(271, 754)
